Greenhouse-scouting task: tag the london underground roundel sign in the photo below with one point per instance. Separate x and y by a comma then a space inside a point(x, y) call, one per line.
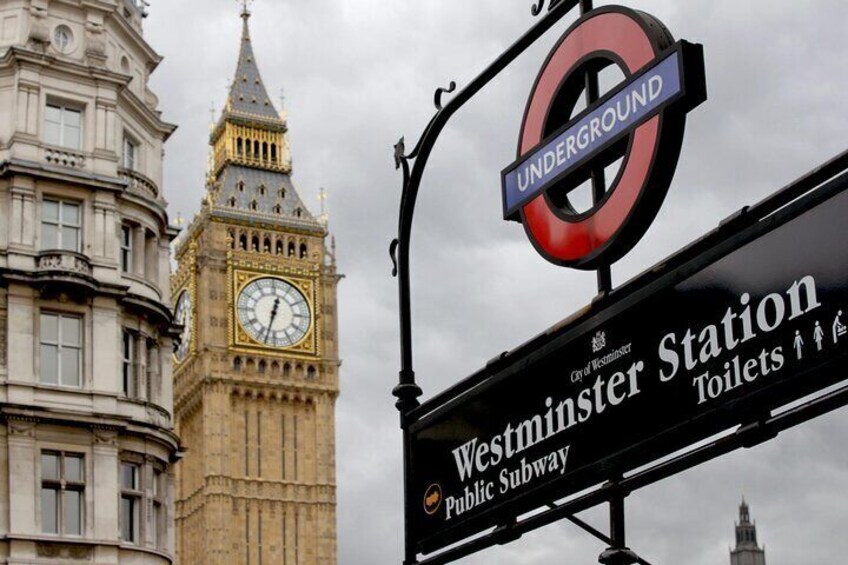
point(640, 121)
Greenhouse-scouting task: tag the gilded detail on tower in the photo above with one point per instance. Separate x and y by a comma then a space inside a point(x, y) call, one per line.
point(273, 313)
point(250, 146)
point(184, 293)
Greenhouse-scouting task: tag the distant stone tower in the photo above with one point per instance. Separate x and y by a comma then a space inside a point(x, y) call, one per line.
point(747, 552)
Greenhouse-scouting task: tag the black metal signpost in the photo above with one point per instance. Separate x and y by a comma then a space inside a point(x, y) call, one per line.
point(722, 337)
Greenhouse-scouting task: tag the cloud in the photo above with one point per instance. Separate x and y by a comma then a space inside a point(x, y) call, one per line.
point(358, 74)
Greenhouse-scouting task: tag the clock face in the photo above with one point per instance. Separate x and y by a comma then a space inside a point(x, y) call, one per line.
point(183, 316)
point(273, 312)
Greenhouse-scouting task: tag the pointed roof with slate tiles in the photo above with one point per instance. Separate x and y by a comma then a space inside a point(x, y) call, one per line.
point(245, 187)
point(248, 97)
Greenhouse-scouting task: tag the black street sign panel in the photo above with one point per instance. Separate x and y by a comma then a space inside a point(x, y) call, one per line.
point(755, 322)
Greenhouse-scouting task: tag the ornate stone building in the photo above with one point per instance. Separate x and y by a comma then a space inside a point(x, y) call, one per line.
point(747, 552)
point(86, 436)
point(256, 375)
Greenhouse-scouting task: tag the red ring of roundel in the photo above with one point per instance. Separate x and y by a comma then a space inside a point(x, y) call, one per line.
point(581, 242)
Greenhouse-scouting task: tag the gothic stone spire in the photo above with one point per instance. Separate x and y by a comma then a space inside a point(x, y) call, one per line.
point(248, 97)
point(251, 173)
point(747, 552)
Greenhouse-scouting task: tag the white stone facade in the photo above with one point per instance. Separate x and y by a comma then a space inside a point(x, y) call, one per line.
point(86, 429)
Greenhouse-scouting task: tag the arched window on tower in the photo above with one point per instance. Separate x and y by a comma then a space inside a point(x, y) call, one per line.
point(240, 186)
point(264, 150)
point(262, 190)
point(232, 202)
point(278, 209)
point(298, 212)
point(231, 236)
point(311, 373)
point(240, 147)
point(287, 370)
point(248, 148)
point(262, 366)
point(303, 251)
point(255, 243)
point(243, 242)
point(266, 247)
point(273, 152)
point(282, 193)
point(253, 205)
point(279, 247)
point(237, 364)
point(256, 149)
point(291, 249)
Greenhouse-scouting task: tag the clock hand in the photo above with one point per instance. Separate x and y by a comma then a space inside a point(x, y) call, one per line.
point(273, 316)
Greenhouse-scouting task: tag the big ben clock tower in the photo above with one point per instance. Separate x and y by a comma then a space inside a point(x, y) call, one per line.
point(256, 370)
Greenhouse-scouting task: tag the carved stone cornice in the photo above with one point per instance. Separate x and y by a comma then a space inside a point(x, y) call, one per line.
point(22, 426)
point(105, 436)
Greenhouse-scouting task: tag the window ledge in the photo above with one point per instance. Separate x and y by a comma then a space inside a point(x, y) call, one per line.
point(145, 282)
point(64, 156)
point(138, 183)
point(146, 404)
point(56, 538)
point(126, 546)
point(83, 541)
point(63, 260)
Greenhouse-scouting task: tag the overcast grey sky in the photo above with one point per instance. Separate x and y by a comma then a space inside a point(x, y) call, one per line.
point(358, 74)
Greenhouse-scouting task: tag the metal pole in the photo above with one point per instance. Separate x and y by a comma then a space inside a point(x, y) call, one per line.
point(410, 555)
point(617, 533)
point(598, 177)
point(617, 553)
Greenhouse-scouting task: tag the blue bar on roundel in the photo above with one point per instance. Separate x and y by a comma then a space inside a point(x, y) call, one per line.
point(551, 161)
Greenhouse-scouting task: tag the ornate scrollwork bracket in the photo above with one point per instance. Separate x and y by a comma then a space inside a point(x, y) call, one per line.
point(437, 99)
point(402, 159)
point(401, 162)
point(393, 254)
point(536, 9)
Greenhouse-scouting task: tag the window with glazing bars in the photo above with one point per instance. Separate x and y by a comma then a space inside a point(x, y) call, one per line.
point(130, 160)
point(128, 363)
point(131, 497)
point(60, 349)
point(63, 125)
point(62, 493)
point(126, 248)
point(61, 223)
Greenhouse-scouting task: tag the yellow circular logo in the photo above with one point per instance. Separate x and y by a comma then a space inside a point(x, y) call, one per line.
point(432, 499)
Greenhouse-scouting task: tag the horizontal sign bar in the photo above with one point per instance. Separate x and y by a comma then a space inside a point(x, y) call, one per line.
point(751, 324)
point(588, 135)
